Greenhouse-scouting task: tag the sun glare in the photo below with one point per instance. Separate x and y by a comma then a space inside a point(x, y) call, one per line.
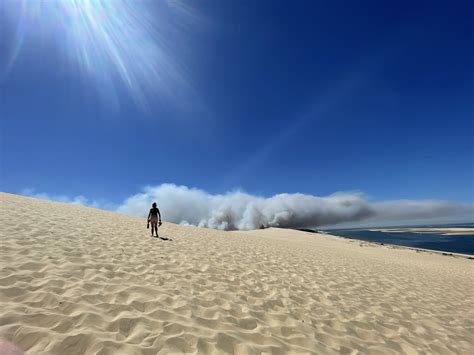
point(119, 44)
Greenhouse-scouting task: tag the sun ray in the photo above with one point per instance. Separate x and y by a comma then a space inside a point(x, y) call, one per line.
point(117, 45)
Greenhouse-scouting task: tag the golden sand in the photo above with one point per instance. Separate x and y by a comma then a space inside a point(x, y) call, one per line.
point(76, 280)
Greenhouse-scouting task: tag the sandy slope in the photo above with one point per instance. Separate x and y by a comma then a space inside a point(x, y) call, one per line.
point(75, 280)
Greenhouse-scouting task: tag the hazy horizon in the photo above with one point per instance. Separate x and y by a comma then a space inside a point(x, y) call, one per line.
point(239, 210)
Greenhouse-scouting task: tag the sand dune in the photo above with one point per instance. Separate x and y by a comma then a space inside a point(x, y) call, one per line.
point(76, 280)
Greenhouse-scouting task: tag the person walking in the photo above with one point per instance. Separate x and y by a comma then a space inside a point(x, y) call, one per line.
point(154, 217)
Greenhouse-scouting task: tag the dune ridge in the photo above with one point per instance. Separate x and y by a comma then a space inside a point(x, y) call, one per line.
point(85, 281)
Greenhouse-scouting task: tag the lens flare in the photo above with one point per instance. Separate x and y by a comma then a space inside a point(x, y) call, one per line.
point(116, 44)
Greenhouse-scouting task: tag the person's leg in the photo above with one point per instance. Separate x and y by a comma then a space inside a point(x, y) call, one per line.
point(154, 227)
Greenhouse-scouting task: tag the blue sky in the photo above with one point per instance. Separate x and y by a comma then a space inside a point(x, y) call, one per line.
point(267, 97)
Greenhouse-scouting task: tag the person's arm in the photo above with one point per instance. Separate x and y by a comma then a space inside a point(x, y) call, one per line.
point(148, 218)
point(159, 215)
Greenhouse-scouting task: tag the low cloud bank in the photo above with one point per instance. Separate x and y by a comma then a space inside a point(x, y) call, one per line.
point(75, 200)
point(239, 210)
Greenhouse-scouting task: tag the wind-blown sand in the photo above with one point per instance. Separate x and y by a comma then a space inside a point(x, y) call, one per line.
point(75, 280)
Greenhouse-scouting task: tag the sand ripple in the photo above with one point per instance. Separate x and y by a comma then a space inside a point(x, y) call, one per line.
point(83, 281)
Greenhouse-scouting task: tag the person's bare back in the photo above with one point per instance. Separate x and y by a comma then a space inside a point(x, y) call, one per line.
point(154, 217)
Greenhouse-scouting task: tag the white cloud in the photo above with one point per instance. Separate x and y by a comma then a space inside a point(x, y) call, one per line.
point(239, 210)
point(76, 200)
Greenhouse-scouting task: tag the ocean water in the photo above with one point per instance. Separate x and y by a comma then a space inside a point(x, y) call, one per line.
point(463, 244)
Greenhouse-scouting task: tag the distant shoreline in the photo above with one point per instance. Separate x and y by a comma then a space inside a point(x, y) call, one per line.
point(448, 240)
point(397, 246)
point(442, 231)
point(425, 226)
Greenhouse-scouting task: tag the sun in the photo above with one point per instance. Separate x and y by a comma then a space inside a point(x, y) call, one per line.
point(118, 45)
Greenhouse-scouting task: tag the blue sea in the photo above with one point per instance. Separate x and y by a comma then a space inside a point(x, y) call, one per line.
point(463, 244)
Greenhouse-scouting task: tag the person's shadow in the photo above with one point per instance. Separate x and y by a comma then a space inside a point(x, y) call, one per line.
point(164, 238)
